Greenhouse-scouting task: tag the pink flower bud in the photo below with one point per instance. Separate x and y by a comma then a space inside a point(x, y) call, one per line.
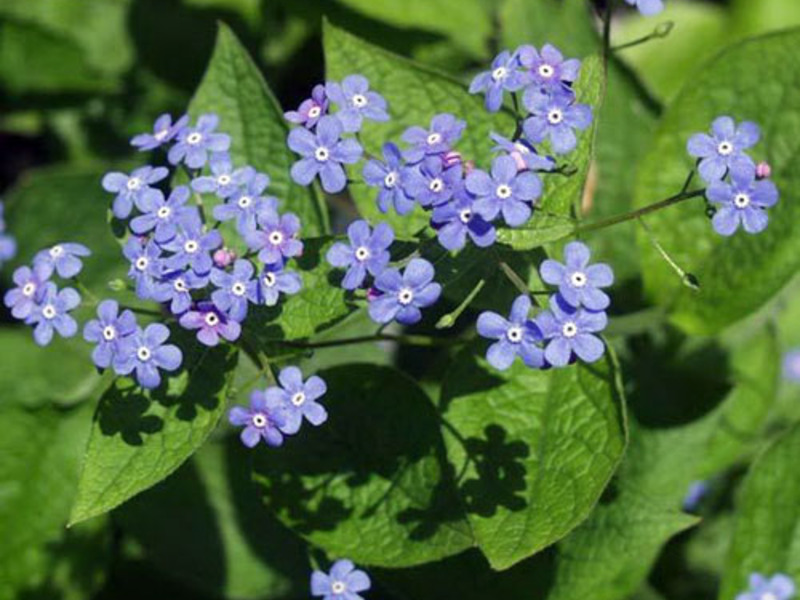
point(520, 160)
point(451, 158)
point(763, 170)
point(224, 257)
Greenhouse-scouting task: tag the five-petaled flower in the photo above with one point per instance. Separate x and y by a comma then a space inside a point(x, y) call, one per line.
point(29, 287)
point(323, 153)
point(506, 191)
point(299, 399)
point(579, 282)
point(444, 131)
point(224, 179)
point(503, 76)
point(163, 131)
point(64, 259)
point(403, 295)
point(516, 336)
point(211, 324)
point(555, 116)
point(723, 151)
point(743, 202)
point(547, 69)
point(777, 587)
point(368, 251)
point(108, 331)
point(192, 246)
point(432, 182)
point(163, 215)
point(131, 189)
point(356, 102)
point(195, 143)
point(145, 352)
point(276, 237)
point(246, 204)
point(262, 420)
point(457, 219)
point(51, 313)
point(235, 290)
point(389, 176)
point(569, 330)
point(311, 110)
point(274, 280)
point(344, 582)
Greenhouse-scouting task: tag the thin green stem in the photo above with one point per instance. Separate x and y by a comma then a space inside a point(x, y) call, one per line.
point(661, 31)
point(87, 293)
point(688, 279)
point(512, 276)
point(449, 319)
point(261, 360)
point(607, 13)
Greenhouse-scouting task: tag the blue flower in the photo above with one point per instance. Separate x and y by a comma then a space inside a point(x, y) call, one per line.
point(516, 336)
point(777, 587)
point(344, 582)
point(311, 110)
point(236, 289)
point(506, 191)
point(246, 203)
point(147, 265)
point(647, 7)
point(504, 75)
point(323, 154)
point(263, 420)
point(192, 246)
point(146, 353)
point(569, 330)
point(723, 151)
point(431, 183)
point(131, 189)
point(276, 237)
point(403, 295)
point(548, 70)
point(51, 313)
point(274, 281)
point(108, 331)
point(164, 215)
point(389, 176)
point(743, 202)
point(356, 102)
point(554, 116)
point(8, 245)
point(23, 298)
point(194, 143)
point(299, 399)
point(524, 154)
point(791, 365)
point(163, 131)
point(224, 179)
point(445, 130)
point(64, 259)
point(366, 252)
point(457, 219)
point(694, 496)
point(211, 324)
point(176, 288)
point(579, 282)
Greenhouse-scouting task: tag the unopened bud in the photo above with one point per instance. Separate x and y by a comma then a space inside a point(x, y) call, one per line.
point(763, 170)
point(451, 158)
point(224, 257)
point(520, 160)
point(469, 167)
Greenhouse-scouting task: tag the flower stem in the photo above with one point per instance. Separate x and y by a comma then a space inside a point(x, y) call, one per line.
point(258, 357)
point(449, 319)
point(513, 277)
point(661, 31)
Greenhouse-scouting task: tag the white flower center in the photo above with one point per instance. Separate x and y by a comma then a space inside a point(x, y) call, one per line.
point(725, 148)
point(180, 285)
point(555, 116)
point(164, 212)
point(143, 353)
point(338, 587)
point(465, 216)
point(194, 138)
point(569, 329)
point(29, 289)
point(211, 319)
point(269, 279)
point(141, 263)
point(514, 335)
point(298, 398)
point(56, 251)
point(769, 596)
point(191, 246)
point(741, 200)
point(391, 179)
point(276, 238)
point(499, 73)
point(578, 279)
point(521, 148)
point(359, 100)
point(109, 333)
point(239, 289)
point(259, 420)
point(134, 183)
point(322, 154)
point(434, 138)
point(546, 71)
point(245, 201)
point(405, 296)
point(314, 112)
point(503, 191)
point(224, 179)
point(161, 134)
point(436, 186)
point(362, 253)
point(49, 311)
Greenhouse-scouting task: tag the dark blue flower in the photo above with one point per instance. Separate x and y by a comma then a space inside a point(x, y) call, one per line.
point(368, 251)
point(723, 151)
point(445, 130)
point(194, 143)
point(777, 587)
point(246, 203)
point(276, 237)
point(274, 281)
point(743, 202)
point(29, 287)
point(548, 70)
point(507, 191)
point(211, 324)
point(224, 179)
point(176, 288)
point(146, 353)
point(389, 177)
point(164, 215)
point(323, 154)
point(516, 336)
point(131, 189)
point(51, 313)
point(64, 259)
point(555, 116)
point(311, 110)
point(403, 295)
point(299, 399)
point(569, 330)
point(356, 102)
point(647, 7)
point(262, 420)
point(163, 131)
point(235, 290)
point(108, 331)
point(344, 582)
point(503, 76)
point(524, 154)
point(431, 183)
point(147, 265)
point(579, 282)
point(457, 219)
point(192, 246)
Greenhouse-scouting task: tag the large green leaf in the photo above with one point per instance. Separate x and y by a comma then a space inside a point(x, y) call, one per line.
point(754, 80)
point(205, 526)
point(139, 438)
point(372, 483)
point(234, 89)
point(609, 556)
point(563, 23)
point(533, 449)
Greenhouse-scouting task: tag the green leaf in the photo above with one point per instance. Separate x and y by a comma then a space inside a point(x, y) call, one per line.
point(541, 230)
point(205, 526)
point(766, 536)
point(533, 449)
point(754, 80)
point(375, 471)
point(234, 89)
point(610, 555)
point(564, 23)
point(138, 438)
point(415, 94)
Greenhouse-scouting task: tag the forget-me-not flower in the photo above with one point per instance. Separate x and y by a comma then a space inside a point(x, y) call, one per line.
point(506, 191)
point(262, 420)
point(389, 176)
point(324, 153)
point(195, 143)
point(163, 131)
point(311, 110)
point(246, 203)
point(777, 587)
point(743, 202)
point(457, 219)
point(276, 237)
point(108, 331)
point(404, 294)
point(555, 116)
point(274, 280)
point(547, 68)
point(344, 582)
point(299, 398)
point(235, 289)
point(51, 313)
point(211, 324)
point(356, 102)
point(516, 336)
point(22, 298)
point(64, 259)
point(368, 251)
point(145, 353)
point(131, 189)
point(164, 215)
point(503, 76)
point(568, 330)
point(579, 282)
point(724, 149)
point(444, 131)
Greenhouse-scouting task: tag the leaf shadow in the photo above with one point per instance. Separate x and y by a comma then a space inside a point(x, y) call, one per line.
point(123, 411)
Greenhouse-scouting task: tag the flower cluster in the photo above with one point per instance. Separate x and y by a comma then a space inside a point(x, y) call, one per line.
point(344, 582)
point(566, 329)
point(737, 187)
point(777, 587)
point(647, 7)
point(8, 245)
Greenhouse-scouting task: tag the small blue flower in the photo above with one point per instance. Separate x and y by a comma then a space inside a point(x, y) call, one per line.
point(64, 259)
point(192, 246)
point(723, 151)
point(163, 131)
point(164, 215)
point(503, 76)
point(743, 202)
point(777, 587)
point(146, 352)
point(131, 189)
point(274, 281)
point(276, 237)
point(262, 420)
point(8, 245)
point(548, 70)
point(344, 582)
point(554, 116)
point(147, 265)
point(235, 290)
point(299, 399)
point(647, 7)
point(431, 183)
point(246, 203)
point(403, 295)
point(51, 313)
point(176, 288)
point(389, 176)
point(311, 110)
point(457, 219)
point(444, 132)
point(694, 496)
point(569, 330)
point(224, 179)
point(368, 251)
point(323, 154)
point(356, 102)
point(579, 282)
point(524, 154)
point(211, 323)
point(23, 298)
point(506, 191)
point(194, 143)
point(791, 365)
point(516, 336)
point(108, 331)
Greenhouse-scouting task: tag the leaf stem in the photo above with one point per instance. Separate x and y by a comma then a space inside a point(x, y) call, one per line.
point(662, 30)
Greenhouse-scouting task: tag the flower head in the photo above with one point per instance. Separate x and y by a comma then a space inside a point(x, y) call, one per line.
point(246, 203)
point(131, 189)
point(224, 179)
point(547, 68)
point(147, 265)
point(194, 143)
point(29, 287)
point(8, 248)
point(163, 215)
point(791, 365)
point(506, 191)
point(444, 132)
point(51, 313)
point(516, 336)
point(579, 282)
point(743, 202)
point(64, 259)
point(368, 251)
point(503, 76)
point(108, 331)
point(262, 420)
point(274, 280)
point(192, 246)
point(323, 154)
point(723, 150)
point(299, 399)
point(647, 7)
point(403, 295)
point(176, 288)
point(431, 183)
point(457, 219)
point(523, 153)
point(695, 494)
point(146, 352)
point(344, 582)
point(555, 116)
point(310, 111)
point(163, 131)
point(356, 102)
point(276, 237)
point(777, 587)
point(569, 331)
point(235, 289)
point(211, 323)
point(389, 176)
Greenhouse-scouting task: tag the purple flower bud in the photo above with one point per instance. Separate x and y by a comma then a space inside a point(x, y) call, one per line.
point(763, 170)
point(224, 257)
